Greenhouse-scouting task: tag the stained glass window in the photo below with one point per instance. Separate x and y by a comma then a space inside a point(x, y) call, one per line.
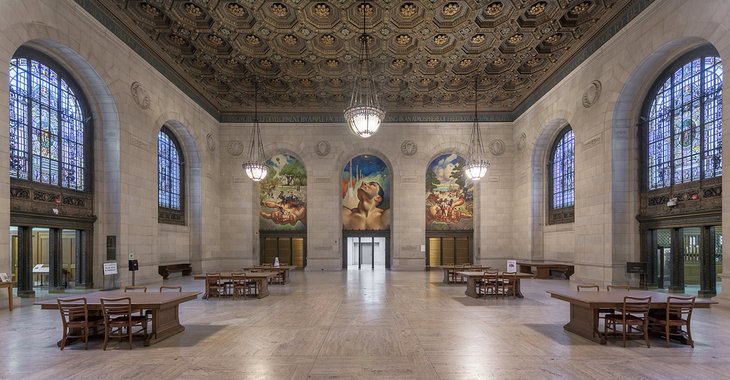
point(562, 170)
point(47, 136)
point(684, 124)
point(170, 171)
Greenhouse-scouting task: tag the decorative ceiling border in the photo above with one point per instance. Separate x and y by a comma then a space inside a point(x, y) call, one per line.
point(114, 25)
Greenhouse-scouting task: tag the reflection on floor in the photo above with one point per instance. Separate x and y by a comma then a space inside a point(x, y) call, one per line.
point(364, 324)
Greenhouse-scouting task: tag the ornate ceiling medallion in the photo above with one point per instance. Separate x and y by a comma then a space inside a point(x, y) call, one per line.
point(537, 9)
point(279, 9)
point(494, 9)
point(580, 8)
point(408, 10)
point(451, 9)
point(322, 10)
point(236, 10)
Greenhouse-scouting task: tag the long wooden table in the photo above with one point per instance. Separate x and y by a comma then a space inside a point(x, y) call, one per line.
point(8, 285)
point(584, 306)
point(543, 268)
point(164, 308)
point(450, 270)
point(261, 277)
point(473, 277)
point(283, 269)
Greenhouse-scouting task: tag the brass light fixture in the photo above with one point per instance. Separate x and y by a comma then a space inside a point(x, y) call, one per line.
point(476, 164)
point(255, 167)
point(364, 114)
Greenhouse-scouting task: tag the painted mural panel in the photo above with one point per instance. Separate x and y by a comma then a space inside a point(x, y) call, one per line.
point(283, 195)
point(449, 195)
point(366, 185)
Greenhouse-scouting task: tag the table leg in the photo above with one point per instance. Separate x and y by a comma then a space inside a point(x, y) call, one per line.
point(263, 288)
point(471, 287)
point(10, 297)
point(582, 323)
point(165, 323)
point(518, 289)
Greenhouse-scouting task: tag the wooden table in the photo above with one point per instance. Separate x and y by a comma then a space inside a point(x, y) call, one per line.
point(164, 308)
point(450, 270)
point(8, 285)
point(283, 269)
point(261, 277)
point(473, 277)
point(542, 268)
point(584, 307)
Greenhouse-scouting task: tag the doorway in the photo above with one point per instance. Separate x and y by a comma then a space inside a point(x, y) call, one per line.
point(686, 259)
point(366, 252)
point(291, 250)
point(451, 249)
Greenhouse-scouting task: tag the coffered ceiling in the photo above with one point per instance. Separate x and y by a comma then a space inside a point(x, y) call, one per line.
point(304, 54)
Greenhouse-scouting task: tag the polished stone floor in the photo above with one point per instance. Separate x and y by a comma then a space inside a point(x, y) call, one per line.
point(364, 325)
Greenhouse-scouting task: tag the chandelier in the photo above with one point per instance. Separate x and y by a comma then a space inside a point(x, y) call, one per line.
point(255, 167)
point(364, 114)
point(476, 164)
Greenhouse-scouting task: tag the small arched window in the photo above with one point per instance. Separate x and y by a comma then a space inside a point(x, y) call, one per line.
point(561, 168)
point(49, 140)
point(170, 178)
point(683, 122)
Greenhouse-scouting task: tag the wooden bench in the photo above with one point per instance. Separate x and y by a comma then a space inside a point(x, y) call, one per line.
point(543, 270)
point(164, 270)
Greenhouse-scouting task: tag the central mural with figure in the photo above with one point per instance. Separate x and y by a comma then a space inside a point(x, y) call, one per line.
point(283, 195)
point(449, 195)
point(366, 185)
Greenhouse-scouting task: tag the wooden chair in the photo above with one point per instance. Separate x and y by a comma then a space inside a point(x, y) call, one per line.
point(239, 282)
point(634, 319)
point(131, 288)
point(75, 317)
point(674, 317)
point(140, 289)
point(622, 287)
point(213, 285)
point(508, 283)
point(489, 284)
point(118, 315)
point(165, 288)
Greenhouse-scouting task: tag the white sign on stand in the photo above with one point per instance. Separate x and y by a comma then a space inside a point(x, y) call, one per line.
point(110, 268)
point(511, 265)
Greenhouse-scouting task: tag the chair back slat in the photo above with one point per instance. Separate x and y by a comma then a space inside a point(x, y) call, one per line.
point(165, 288)
point(636, 305)
point(592, 288)
point(614, 287)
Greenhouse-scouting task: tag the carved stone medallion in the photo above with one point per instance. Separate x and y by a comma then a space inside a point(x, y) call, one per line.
point(496, 147)
point(591, 95)
point(322, 148)
point(522, 142)
point(235, 148)
point(140, 95)
point(210, 142)
point(408, 148)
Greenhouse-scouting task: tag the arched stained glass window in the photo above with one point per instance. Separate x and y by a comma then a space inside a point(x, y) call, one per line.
point(562, 178)
point(170, 171)
point(48, 139)
point(684, 123)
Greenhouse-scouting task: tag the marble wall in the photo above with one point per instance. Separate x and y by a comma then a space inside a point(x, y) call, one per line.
point(221, 228)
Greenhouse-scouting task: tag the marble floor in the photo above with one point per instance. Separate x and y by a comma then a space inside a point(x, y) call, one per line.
point(364, 325)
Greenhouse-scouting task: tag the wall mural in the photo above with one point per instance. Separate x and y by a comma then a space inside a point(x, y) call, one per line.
point(283, 195)
point(366, 185)
point(449, 195)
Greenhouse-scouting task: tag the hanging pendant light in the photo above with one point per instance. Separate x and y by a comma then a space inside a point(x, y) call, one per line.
point(255, 167)
point(476, 164)
point(364, 114)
